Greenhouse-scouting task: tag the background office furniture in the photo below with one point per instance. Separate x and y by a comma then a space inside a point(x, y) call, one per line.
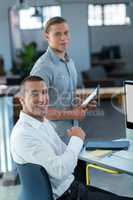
point(98, 75)
point(109, 64)
point(35, 182)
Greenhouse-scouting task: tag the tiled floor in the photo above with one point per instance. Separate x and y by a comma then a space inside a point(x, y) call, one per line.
point(10, 192)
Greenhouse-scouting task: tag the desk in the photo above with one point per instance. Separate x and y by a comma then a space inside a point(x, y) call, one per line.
point(105, 93)
point(112, 162)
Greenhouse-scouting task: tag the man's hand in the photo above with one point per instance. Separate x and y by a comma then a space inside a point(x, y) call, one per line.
point(76, 131)
point(91, 106)
point(79, 113)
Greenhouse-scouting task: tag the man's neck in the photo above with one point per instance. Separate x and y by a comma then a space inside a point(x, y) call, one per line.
point(41, 119)
point(59, 54)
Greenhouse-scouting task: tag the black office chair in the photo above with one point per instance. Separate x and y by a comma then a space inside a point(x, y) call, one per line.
point(35, 182)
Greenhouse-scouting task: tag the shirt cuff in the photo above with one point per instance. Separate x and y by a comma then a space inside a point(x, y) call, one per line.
point(75, 144)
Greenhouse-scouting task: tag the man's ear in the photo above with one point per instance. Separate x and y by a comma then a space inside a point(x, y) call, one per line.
point(46, 36)
point(21, 100)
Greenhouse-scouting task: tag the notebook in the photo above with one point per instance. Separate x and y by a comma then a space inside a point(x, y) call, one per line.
point(100, 153)
point(109, 145)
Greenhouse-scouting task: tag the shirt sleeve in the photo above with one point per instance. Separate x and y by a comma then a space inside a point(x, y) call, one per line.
point(43, 71)
point(58, 164)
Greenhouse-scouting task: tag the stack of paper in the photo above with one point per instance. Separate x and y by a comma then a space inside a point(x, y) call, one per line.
point(100, 153)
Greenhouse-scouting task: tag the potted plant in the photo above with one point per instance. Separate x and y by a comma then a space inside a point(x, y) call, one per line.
point(25, 59)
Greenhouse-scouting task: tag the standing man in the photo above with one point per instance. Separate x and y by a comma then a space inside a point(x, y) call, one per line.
point(57, 69)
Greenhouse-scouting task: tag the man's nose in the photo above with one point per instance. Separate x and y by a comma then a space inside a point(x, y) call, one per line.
point(63, 37)
point(43, 98)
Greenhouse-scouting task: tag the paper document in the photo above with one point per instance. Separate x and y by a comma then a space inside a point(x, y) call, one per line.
point(90, 97)
point(124, 154)
point(100, 153)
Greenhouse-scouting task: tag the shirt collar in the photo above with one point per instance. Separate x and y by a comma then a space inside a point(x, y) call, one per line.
point(56, 58)
point(30, 120)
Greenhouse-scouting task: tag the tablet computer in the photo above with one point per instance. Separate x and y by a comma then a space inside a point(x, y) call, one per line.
point(94, 94)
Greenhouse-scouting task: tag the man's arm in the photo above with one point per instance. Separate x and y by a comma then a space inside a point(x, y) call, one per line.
point(58, 164)
point(77, 113)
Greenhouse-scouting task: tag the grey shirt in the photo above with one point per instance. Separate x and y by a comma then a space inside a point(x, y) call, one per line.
point(61, 79)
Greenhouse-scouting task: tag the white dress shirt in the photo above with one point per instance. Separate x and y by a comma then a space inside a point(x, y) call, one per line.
point(37, 142)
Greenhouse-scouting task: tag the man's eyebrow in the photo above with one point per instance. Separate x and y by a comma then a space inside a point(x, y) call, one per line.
point(34, 90)
point(45, 90)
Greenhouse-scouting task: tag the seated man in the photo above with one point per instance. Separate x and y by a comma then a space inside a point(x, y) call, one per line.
point(34, 140)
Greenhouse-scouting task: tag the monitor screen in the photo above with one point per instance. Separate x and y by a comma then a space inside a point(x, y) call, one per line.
point(129, 103)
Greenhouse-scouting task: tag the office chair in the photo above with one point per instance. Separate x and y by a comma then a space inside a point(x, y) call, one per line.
point(35, 182)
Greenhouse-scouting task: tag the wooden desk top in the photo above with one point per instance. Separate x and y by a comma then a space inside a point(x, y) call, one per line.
point(104, 92)
point(108, 90)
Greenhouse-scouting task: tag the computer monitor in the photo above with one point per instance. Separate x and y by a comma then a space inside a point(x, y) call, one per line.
point(129, 103)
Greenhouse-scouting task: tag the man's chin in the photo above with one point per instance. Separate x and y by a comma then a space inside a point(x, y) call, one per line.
point(41, 113)
point(60, 50)
point(40, 117)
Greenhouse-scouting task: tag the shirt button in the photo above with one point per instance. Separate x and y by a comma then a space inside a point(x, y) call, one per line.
point(69, 191)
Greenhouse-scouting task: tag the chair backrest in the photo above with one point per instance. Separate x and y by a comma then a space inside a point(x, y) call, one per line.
point(35, 182)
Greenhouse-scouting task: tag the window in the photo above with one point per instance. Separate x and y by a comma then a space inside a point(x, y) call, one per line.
point(50, 11)
point(28, 19)
point(95, 15)
point(108, 14)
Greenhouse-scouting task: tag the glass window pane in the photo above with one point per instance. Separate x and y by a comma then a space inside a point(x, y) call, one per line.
point(27, 21)
point(50, 11)
point(94, 15)
point(115, 14)
point(108, 14)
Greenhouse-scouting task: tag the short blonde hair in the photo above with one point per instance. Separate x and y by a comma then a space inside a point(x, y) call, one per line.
point(53, 21)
